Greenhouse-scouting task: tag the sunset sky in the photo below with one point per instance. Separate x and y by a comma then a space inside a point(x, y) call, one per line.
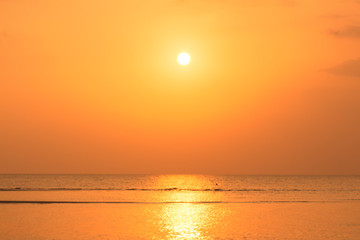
point(273, 86)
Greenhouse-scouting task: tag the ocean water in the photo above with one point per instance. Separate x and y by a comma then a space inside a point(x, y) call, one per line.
point(179, 207)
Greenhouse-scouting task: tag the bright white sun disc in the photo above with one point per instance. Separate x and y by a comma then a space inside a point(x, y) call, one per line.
point(184, 58)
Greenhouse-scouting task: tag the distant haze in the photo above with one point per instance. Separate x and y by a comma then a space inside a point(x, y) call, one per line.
point(273, 87)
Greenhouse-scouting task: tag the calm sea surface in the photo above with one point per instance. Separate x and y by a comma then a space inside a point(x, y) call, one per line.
point(179, 207)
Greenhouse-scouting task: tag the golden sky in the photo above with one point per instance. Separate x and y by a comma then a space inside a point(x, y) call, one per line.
point(273, 86)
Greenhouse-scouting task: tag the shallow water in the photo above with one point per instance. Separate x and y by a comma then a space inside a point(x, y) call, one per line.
point(179, 207)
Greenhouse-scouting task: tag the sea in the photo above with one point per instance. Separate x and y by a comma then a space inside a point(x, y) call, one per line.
point(36, 207)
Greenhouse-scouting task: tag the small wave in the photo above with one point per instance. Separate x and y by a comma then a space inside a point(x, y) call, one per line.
point(98, 202)
point(164, 202)
point(161, 189)
point(156, 189)
point(44, 189)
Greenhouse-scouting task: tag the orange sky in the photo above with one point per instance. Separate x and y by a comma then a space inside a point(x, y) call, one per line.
point(94, 86)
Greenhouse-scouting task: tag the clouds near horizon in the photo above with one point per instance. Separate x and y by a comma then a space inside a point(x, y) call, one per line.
point(349, 32)
point(348, 68)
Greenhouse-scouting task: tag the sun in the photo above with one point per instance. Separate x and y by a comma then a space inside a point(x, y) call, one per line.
point(184, 58)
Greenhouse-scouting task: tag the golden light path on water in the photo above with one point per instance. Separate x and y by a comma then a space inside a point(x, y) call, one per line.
point(184, 221)
point(189, 219)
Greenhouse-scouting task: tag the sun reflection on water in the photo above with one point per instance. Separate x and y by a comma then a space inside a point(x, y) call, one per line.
point(187, 217)
point(203, 221)
point(184, 221)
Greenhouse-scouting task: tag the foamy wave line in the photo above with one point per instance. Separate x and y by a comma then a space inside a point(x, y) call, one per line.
point(158, 189)
point(173, 202)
